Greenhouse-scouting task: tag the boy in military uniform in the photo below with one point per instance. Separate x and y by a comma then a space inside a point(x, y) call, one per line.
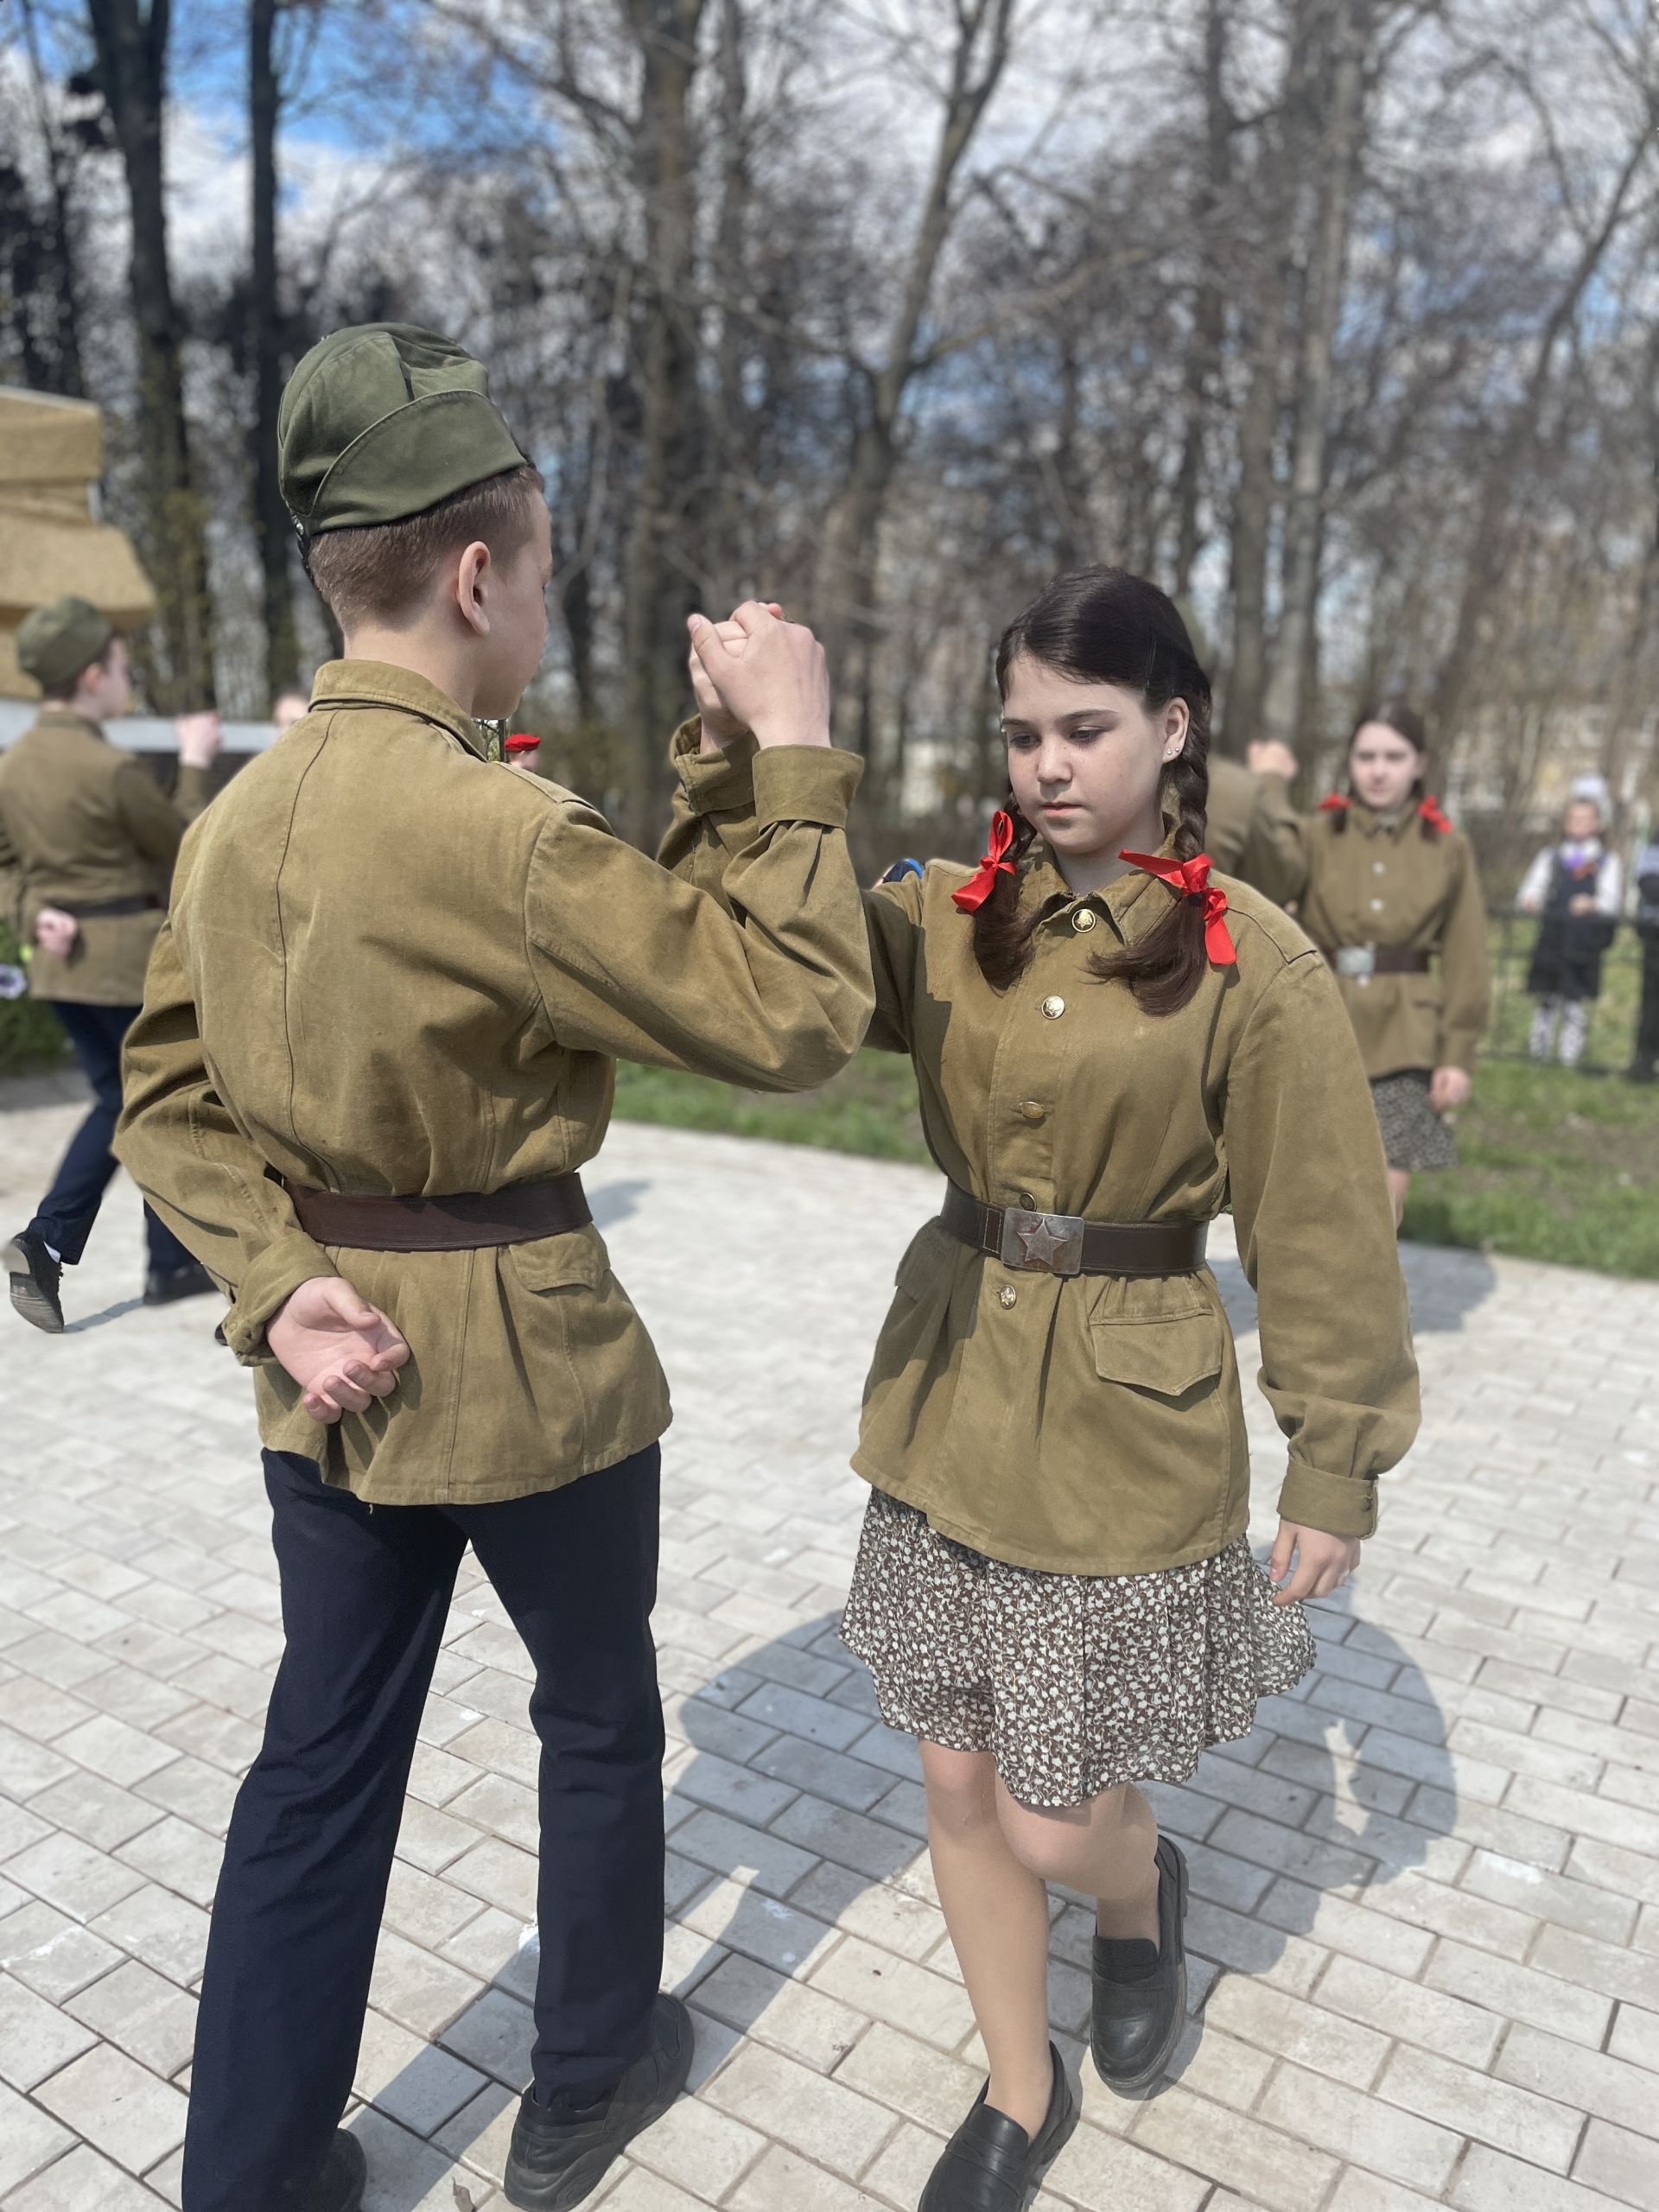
point(377, 1045)
point(87, 840)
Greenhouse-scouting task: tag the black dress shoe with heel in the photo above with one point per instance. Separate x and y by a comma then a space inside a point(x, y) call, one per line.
point(344, 2176)
point(35, 1277)
point(1140, 2002)
point(991, 2164)
point(166, 1287)
point(558, 2159)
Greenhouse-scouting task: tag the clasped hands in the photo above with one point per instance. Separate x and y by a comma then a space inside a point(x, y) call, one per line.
point(757, 672)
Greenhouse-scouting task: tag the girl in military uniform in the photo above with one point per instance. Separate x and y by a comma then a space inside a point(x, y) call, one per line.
point(1576, 888)
point(1054, 1590)
point(1392, 898)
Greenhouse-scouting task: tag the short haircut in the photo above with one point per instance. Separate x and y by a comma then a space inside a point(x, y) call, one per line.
point(381, 571)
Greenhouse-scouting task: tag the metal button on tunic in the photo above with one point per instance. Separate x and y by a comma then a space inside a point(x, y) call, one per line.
point(1084, 918)
point(1033, 1110)
point(1007, 1293)
point(1054, 1007)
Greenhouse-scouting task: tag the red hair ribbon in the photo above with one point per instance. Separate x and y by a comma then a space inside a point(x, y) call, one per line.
point(1191, 879)
point(521, 742)
point(1430, 810)
point(981, 884)
point(1336, 804)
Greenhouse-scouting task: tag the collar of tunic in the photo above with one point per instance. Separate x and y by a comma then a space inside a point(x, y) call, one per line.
point(377, 683)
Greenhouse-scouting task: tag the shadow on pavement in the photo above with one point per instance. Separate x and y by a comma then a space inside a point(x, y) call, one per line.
point(1446, 1285)
point(778, 1842)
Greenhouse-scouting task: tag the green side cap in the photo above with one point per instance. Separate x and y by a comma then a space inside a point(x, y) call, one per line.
point(58, 644)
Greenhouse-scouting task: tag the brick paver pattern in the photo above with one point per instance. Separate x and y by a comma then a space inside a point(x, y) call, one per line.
point(1425, 1919)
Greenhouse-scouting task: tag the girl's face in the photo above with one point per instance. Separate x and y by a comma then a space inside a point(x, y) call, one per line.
point(1583, 822)
point(1383, 767)
point(1087, 761)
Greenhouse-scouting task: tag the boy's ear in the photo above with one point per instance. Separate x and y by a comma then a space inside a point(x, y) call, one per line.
point(471, 576)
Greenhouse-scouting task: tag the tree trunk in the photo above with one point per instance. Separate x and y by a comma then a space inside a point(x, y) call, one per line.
point(1337, 174)
point(660, 568)
point(57, 364)
point(1202, 363)
point(1484, 576)
point(271, 525)
point(847, 581)
point(131, 71)
point(1257, 497)
point(730, 457)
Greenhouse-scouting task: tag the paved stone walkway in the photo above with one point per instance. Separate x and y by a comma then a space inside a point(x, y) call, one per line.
point(1426, 1904)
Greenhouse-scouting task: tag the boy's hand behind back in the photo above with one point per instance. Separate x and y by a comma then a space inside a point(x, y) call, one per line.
point(341, 1351)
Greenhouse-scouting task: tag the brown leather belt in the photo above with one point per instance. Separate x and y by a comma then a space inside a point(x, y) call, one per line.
point(1066, 1244)
point(466, 1223)
point(103, 907)
point(1376, 960)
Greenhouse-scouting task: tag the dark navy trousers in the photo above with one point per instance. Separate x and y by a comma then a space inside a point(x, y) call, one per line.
point(70, 1207)
point(309, 1851)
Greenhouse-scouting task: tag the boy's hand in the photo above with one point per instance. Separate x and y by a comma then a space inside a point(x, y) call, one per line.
point(771, 675)
point(719, 727)
point(341, 1351)
point(1323, 1562)
point(198, 738)
point(56, 931)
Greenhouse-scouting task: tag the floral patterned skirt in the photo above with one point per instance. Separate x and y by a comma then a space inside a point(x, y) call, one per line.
point(1074, 1683)
point(1414, 1135)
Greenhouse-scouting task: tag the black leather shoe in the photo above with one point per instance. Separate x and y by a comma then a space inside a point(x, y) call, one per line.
point(178, 1282)
point(339, 2186)
point(35, 1279)
point(1137, 2023)
point(557, 2162)
point(991, 2164)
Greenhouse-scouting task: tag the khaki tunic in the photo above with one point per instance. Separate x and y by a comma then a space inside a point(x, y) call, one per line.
point(393, 966)
point(1381, 882)
point(81, 825)
point(1095, 1424)
point(1254, 832)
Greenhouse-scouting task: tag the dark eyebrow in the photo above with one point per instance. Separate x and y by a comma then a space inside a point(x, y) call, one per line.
point(1067, 721)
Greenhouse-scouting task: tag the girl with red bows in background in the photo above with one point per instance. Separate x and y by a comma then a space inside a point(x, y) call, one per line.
point(1054, 1589)
point(1393, 899)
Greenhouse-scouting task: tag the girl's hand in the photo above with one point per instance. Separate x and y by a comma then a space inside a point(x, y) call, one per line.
point(1448, 1089)
point(55, 932)
point(719, 727)
point(1323, 1562)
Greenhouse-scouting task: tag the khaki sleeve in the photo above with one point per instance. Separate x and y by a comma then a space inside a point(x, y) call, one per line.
point(192, 789)
point(749, 963)
point(1465, 969)
point(1276, 858)
point(201, 1175)
point(715, 820)
point(149, 816)
point(1316, 1237)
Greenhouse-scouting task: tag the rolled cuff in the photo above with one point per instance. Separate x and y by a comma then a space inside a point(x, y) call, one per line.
point(274, 1277)
point(1459, 1049)
point(805, 783)
point(192, 789)
point(1340, 1505)
point(713, 782)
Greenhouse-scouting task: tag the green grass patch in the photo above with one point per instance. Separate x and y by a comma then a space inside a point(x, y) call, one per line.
point(1555, 1165)
point(870, 1108)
